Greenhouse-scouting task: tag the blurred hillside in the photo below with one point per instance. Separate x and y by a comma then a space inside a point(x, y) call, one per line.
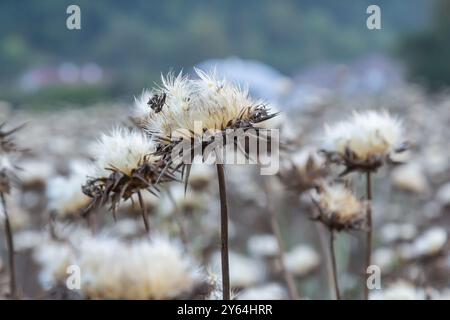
point(124, 45)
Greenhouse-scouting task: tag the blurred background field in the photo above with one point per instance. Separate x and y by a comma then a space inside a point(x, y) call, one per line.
point(314, 61)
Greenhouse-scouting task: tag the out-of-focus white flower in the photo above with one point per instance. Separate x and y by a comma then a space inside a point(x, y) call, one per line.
point(244, 271)
point(54, 258)
point(367, 137)
point(410, 177)
point(385, 258)
point(264, 245)
point(400, 290)
point(339, 207)
point(35, 171)
point(430, 243)
point(271, 291)
point(64, 192)
point(392, 232)
point(141, 269)
point(443, 195)
point(122, 150)
point(301, 260)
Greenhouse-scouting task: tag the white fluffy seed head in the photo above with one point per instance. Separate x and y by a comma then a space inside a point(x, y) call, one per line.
point(338, 203)
point(122, 150)
point(158, 269)
point(367, 134)
point(302, 259)
point(64, 193)
point(194, 106)
point(53, 258)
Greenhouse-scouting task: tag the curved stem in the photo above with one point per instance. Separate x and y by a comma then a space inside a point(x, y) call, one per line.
point(224, 232)
point(333, 263)
point(10, 245)
point(144, 212)
point(369, 232)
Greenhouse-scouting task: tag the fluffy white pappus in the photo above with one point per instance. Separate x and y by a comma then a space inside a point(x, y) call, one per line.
point(301, 260)
point(220, 102)
point(367, 134)
point(123, 150)
point(140, 109)
point(141, 269)
point(54, 258)
point(338, 203)
point(195, 105)
point(64, 193)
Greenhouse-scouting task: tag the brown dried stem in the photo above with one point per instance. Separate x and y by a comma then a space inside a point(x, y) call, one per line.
point(10, 245)
point(333, 263)
point(143, 211)
point(369, 232)
point(224, 232)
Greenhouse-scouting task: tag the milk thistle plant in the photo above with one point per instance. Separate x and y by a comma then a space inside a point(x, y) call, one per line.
point(339, 210)
point(125, 164)
point(187, 115)
point(364, 143)
point(8, 149)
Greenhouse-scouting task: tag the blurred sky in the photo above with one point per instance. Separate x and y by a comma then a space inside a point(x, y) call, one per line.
point(123, 46)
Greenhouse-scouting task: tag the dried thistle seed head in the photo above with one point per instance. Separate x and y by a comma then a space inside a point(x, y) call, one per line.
point(364, 142)
point(140, 269)
point(122, 151)
point(192, 107)
point(303, 170)
point(124, 164)
point(338, 207)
